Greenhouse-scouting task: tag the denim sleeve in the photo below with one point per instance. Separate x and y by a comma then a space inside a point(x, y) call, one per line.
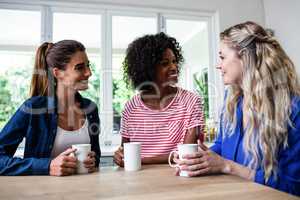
point(288, 173)
point(10, 137)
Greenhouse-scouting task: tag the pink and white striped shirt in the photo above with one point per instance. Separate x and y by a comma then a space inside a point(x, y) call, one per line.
point(160, 131)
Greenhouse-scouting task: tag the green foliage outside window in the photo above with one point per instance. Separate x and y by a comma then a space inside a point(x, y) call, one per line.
point(5, 101)
point(201, 83)
point(93, 92)
point(14, 89)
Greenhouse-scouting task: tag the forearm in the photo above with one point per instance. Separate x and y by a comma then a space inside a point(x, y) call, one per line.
point(161, 159)
point(26, 166)
point(236, 169)
point(192, 135)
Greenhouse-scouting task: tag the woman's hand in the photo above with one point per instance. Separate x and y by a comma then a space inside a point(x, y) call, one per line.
point(119, 157)
point(90, 162)
point(64, 164)
point(202, 162)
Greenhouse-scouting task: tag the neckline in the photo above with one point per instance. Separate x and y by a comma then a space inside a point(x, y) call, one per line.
point(77, 130)
point(160, 110)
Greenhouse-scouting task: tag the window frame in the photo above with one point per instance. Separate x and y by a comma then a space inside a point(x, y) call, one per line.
point(107, 11)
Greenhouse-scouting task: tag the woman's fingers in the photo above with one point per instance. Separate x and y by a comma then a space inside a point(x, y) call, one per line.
point(91, 154)
point(192, 161)
point(199, 172)
point(202, 146)
point(68, 152)
point(119, 161)
point(177, 171)
point(68, 171)
point(194, 155)
point(198, 166)
point(118, 157)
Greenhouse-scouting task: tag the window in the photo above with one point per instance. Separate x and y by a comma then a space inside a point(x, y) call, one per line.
point(106, 32)
point(124, 30)
point(195, 52)
point(74, 26)
point(17, 48)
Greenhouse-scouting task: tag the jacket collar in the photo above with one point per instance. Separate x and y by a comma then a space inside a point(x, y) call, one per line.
point(52, 101)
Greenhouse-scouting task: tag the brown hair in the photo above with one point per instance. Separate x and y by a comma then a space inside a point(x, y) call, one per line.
point(48, 56)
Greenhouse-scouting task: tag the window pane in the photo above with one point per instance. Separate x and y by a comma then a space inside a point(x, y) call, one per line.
point(196, 54)
point(15, 74)
point(20, 27)
point(124, 31)
point(17, 48)
point(85, 28)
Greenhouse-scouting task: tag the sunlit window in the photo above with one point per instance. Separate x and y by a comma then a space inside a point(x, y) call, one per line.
point(106, 34)
point(124, 30)
point(17, 47)
point(85, 28)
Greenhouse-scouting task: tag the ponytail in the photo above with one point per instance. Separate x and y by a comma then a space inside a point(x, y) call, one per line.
point(49, 56)
point(41, 75)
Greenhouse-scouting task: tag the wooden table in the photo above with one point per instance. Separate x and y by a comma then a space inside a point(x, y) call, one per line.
point(154, 182)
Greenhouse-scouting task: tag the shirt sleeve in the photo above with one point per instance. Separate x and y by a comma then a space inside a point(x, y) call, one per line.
point(124, 120)
point(10, 137)
point(288, 173)
point(197, 116)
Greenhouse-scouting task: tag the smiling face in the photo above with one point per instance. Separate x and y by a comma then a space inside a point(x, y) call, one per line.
point(167, 69)
point(230, 65)
point(76, 73)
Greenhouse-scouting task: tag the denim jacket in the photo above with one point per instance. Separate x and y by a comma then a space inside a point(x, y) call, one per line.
point(36, 120)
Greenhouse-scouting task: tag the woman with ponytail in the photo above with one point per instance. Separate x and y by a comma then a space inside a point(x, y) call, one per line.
point(54, 117)
point(259, 132)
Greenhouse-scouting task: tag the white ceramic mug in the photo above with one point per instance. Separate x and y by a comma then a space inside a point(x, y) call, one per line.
point(81, 153)
point(183, 149)
point(132, 156)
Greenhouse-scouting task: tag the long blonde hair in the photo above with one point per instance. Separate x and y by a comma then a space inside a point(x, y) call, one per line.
point(269, 81)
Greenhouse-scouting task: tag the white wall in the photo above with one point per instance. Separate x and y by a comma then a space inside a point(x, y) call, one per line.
point(283, 17)
point(230, 11)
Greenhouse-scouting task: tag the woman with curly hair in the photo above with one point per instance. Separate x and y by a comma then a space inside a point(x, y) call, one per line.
point(162, 115)
point(259, 133)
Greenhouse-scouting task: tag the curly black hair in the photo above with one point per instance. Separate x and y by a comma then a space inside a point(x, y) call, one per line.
point(144, 54)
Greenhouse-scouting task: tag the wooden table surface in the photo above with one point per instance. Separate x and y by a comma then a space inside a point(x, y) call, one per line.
point(154, 182)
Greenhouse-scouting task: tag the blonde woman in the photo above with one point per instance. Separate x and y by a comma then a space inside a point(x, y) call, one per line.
point(259, 133)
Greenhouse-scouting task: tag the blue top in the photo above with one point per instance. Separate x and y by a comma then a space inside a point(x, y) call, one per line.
point(36, 120)
point(288, 173)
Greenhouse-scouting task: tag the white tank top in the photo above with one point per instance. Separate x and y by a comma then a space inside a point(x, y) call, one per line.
point(65, 139)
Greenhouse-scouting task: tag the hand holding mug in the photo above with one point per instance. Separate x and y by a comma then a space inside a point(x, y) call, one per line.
point(83, 159)
point(178, 157)
point(119, 157)
point(202, 162)
point(90, 162)
point(64, 164)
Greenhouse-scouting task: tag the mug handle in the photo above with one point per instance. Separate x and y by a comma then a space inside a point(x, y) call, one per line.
point(169, 159)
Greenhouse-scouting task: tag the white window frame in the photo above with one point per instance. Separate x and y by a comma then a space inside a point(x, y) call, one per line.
point(215, 87)
point(106, 11)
